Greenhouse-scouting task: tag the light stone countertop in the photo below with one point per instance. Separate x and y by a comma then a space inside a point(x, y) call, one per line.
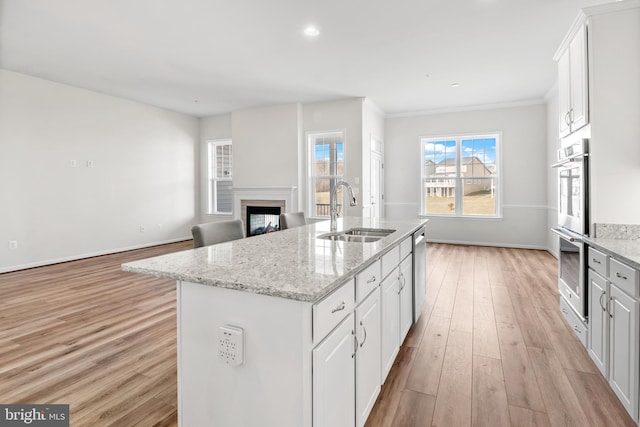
point(626, 250)
point(292, 264)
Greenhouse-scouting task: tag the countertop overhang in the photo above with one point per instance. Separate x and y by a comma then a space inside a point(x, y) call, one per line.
point(624, 249)
point(293, 264)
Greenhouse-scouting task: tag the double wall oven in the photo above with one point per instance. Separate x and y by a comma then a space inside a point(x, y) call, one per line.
point(573, 223)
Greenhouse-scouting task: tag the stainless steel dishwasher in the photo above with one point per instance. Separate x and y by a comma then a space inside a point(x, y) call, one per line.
point(419, 271)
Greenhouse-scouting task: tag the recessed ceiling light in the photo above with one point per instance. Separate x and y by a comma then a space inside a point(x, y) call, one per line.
point(311, 31)
point(455, 84)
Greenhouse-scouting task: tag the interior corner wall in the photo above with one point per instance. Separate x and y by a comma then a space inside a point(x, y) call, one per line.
point(265, 146)
point(553, 144)
point(211, 128)
point(344, 115)
point(524, 174)
point(132, 183)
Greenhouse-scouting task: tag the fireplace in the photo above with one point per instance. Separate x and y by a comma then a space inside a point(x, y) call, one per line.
point(261, 216)
point(262, 219)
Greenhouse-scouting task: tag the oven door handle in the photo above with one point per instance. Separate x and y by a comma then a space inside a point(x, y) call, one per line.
point(566, 236)
point(575, 158)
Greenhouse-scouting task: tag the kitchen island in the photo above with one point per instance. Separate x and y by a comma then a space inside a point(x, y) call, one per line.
point(289, 328)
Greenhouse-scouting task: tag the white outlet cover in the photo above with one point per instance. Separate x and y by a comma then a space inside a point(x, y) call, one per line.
point(231, 345)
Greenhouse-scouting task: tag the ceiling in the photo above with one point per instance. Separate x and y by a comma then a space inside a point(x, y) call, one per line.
point(207, 57)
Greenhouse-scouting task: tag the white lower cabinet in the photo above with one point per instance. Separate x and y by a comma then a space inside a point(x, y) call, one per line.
point(613, 329)
point(367, 356)
point(390, 288)
point(334, 378)
point(598, 322)
point(406, 297)
point(623, 348)
point(346, 368)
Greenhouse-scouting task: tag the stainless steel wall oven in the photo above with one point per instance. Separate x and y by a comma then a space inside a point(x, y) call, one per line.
point(573, 223)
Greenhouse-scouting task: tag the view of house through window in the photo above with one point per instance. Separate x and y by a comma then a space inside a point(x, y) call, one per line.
point(220, 157)
point(326, 169)
point(460, 176)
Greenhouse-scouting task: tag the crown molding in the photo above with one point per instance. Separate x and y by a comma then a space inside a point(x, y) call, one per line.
point(496, 106)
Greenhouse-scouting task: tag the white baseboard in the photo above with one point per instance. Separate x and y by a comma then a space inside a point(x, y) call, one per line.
point(88, 255)
point(496, 244)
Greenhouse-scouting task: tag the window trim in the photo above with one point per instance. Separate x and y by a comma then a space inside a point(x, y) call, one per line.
point(458, 137)
point(310, 202)
point(212, 208)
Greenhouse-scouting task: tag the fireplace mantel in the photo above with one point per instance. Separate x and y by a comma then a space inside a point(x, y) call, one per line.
point(288, 194)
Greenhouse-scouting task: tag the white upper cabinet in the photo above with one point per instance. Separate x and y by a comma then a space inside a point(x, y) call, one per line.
point(573, 85)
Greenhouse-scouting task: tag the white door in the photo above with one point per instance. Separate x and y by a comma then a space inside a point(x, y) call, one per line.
point(579, 90)
point(598, 322)
point(390, 322)
point(334, 378)
point(368, 356)
point(623, 341)
point(377, 198)
point(564, 93)
point(406, 297)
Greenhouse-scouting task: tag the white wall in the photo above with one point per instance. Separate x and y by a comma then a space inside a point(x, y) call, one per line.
point(265, 146)
point(143, 174)
point(524, 173)
point(553, 144)
point(338, 115)
point(211, 128)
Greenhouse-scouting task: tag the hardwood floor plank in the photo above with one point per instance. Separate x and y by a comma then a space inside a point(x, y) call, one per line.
point(414, 410)
point(502, 305)
point(520, 380)
point(489, 399)
point(568, 349)
point(427, 366)
point(562, 405)
point(529, 322)
point(388, 400)
point(453, 402)
point(522, 417)
point(597, 400)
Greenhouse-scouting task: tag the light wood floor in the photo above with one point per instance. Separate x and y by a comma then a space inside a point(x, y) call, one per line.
point(491, 348)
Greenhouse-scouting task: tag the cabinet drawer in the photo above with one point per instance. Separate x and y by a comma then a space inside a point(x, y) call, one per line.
point(574, 321)
point(390, 260)
point(405, 247)
point(624, 277)
point(331, 310)
point(598, 261)
point(367, 280)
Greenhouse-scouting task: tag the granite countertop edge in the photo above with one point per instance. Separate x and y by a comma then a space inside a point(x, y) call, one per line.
point(163, 266)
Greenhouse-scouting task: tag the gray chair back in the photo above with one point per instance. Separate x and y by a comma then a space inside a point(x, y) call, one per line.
point(211, 233)
point(292, 219)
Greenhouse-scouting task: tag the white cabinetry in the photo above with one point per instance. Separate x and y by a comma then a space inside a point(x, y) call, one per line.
point(614, 328)
point(367, 356)
point(334, 378)
point(397, 302)
point(573, 95)
point(346, 364)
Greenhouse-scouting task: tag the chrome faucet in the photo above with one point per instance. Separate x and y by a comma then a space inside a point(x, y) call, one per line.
point(333, 202)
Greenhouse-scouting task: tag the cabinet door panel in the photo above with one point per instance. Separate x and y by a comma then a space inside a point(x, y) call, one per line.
point(564, 94)
point(579, 89)
point(334, 378)
point(368, 356)
point(598, 322)
point(406, 297)
point(623, 336)
point(390, 322)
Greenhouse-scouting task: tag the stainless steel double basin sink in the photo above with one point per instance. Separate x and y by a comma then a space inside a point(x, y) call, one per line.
point(360, 235)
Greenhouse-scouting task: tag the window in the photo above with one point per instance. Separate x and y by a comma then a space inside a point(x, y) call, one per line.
point(326, 168)
point(460, 176)
point(220, 155)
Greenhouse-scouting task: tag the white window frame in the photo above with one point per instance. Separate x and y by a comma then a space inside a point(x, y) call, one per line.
point(311, 139)
point(212, 179)
point(458, 199)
